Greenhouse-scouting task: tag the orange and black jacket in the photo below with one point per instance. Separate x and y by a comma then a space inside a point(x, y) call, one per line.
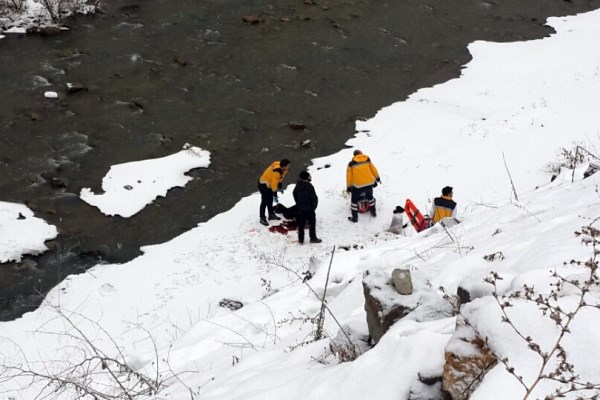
point(443, 207)
point(361, 172)
point(273, 176)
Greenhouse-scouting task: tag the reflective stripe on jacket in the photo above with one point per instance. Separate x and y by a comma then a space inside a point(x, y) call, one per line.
point(272, 176)
point(443, 207)
point(361, 172)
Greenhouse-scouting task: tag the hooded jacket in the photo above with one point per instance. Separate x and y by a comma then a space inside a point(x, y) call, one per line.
point(273, 176)
point(305, 196)
point(361, 172)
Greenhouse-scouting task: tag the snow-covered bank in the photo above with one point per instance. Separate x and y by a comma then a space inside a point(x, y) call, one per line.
point(18, 17)
point(22, 233)
point(458, 134)
point(129, 187)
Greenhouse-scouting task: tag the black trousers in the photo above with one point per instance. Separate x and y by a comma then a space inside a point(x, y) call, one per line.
point(305, 216)
point(359, 194)
point(266, 200)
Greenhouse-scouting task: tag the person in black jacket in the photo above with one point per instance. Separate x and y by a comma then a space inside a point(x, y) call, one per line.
point(306, 201)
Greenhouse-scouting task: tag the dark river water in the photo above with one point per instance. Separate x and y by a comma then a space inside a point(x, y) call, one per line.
point(162, 73)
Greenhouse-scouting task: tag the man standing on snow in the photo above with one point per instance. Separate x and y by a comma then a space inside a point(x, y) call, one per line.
point(269, 183)
point(361, 178)
point(443, 207)
point(306, 201)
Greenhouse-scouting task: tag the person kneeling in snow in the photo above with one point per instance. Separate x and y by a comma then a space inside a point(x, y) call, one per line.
point(443, 207)
point(306, 201)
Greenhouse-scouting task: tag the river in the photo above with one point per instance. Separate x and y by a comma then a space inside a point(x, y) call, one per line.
point(162, 73)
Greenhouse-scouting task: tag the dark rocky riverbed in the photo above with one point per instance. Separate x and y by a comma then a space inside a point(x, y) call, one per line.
point(162, 73)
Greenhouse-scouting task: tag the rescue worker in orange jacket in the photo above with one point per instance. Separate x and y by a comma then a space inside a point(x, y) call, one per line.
point(361, 178)
point(444, 206)
point(269, 183)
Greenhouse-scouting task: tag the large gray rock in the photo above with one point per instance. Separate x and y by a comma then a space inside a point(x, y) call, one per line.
point(384, 306)
point(402, 281)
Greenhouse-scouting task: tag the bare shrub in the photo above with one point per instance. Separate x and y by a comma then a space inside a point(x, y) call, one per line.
point(556, 365)
point(58, 9)
point(12, 6)
point(568, 158)
point(87, 371)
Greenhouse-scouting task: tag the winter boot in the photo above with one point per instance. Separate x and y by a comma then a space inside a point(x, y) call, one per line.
point(354, 217)
point(263, 221)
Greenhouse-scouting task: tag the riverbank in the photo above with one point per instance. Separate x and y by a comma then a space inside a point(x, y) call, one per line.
point(229, 309)
point(168, 73)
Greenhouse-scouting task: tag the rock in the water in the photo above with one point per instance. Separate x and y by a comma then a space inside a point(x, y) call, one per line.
point(75, 87)
point(58, 183)
point(251, 19)
point(296, 125)
point(50, 30)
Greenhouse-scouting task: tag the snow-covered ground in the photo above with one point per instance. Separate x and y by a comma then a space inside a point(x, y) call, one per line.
point(20, 16)
point(129, 187)
point(22, 233)
point(513, 108)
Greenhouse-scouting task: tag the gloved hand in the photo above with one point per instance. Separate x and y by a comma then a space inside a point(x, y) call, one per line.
point(379, 180)
point(349, 189)
point(280, 187)
point(275, 199)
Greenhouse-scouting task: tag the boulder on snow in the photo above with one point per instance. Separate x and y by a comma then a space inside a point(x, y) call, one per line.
point(467, 361)
point(384, 306)
point(402, 281)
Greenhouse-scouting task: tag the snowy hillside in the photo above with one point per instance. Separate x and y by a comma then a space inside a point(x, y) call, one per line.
point(513, 108)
